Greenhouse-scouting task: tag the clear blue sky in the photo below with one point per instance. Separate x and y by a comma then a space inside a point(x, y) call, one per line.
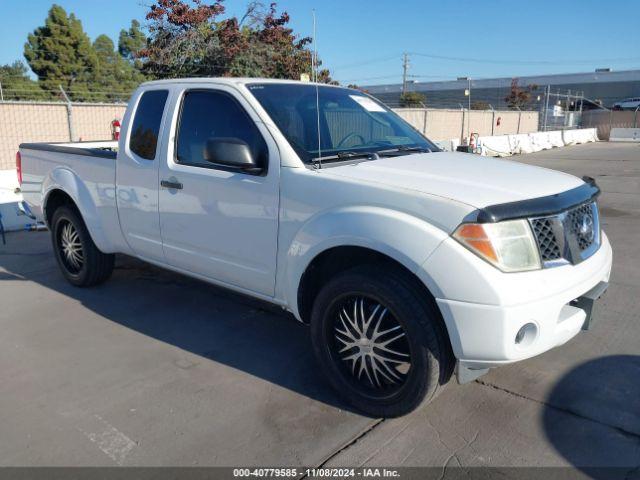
point(362, 41)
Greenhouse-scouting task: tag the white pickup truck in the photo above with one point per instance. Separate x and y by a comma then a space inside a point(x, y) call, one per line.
point(406, 261)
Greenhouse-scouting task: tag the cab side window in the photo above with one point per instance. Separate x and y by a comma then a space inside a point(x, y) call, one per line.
point(207, 115)
point(146, 123)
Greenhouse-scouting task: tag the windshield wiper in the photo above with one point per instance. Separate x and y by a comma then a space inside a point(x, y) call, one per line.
point(346, 155)
point(404, 150)
point(391, 152)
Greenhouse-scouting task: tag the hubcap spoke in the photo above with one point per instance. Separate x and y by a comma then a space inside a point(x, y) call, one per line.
point(372, 343)
point(71, 247)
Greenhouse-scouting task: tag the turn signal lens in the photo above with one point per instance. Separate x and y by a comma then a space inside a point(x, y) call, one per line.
point(509, 245)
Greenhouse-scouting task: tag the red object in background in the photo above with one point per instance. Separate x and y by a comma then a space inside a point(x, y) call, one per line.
point(115, 129)
point(19, 167)
point(498, 121)
point(473, 141)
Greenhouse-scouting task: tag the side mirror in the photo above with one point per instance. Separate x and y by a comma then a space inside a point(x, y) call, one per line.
point(233, 153)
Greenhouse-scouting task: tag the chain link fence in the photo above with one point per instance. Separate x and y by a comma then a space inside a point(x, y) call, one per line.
point(605, 120)
point(53, 122)
point(557, 109)
point(461, 124)
point(460, 115)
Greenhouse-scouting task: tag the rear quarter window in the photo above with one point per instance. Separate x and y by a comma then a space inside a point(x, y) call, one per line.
point(146, 123)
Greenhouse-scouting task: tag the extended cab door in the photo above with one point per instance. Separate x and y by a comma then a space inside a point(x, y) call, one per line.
point(215, 221)
point(137, 174)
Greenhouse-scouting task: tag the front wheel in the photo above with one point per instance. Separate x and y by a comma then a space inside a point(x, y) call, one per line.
point(80, 261)
point(381, 344)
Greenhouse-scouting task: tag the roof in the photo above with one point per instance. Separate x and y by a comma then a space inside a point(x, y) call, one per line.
point(559, 79)
point(232, 81)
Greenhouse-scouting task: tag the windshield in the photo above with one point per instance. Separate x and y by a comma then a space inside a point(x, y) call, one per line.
point(351, 123)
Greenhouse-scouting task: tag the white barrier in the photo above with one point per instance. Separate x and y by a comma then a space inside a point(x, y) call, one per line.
point(625, 135)
point(575, 137)
point(496, 146)
point(555, 138)
point(506, 145)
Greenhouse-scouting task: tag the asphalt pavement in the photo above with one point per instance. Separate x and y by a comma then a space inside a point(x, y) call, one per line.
point(155, 369)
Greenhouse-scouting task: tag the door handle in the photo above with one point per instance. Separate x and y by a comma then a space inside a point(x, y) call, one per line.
point(172, 185)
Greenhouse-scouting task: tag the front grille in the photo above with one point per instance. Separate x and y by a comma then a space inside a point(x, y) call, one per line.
point(547, 243)
point(576, 219)
point(568, 237)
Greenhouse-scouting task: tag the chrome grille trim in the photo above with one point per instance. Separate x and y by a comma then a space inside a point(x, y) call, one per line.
point(567, 237)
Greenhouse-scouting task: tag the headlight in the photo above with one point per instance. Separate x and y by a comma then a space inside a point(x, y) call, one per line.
point(509, 245)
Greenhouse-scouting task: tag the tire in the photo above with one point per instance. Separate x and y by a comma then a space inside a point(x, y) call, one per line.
point(392, 304)
point(80, 261)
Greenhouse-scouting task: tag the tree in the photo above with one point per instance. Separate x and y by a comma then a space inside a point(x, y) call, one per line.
point(480, 105)
point(519, 97)
point(114, 78)
point(16, 84)
point(189, 38)
point(130, 42)
point(181, 39)
point(324, 76)
point(357, 87)
point(412, 99)
point(60, 53)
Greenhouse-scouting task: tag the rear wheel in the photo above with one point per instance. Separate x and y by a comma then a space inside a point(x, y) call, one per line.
point(381, 344)
point(80, 261)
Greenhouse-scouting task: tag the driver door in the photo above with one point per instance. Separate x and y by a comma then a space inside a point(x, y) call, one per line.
point(216, 222)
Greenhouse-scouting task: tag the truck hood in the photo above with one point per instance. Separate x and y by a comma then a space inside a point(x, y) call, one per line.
point(471, 179)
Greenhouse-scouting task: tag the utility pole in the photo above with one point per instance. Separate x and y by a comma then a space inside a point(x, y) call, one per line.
point(69, 113)
point(405, 71)
point(1, 93)
point(547, 93)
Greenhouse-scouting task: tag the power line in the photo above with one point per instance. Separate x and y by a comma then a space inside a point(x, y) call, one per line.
point(526, 62)
point(487, 60)
point(359, 79)
point(365, 62)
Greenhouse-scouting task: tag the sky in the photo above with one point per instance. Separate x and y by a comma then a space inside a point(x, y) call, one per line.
point(363, 41)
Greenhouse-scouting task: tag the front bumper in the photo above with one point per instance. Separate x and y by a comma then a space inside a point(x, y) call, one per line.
point(556, 303)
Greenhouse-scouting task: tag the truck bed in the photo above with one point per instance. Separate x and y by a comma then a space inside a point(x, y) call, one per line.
point(102, 149)
point(87, 170)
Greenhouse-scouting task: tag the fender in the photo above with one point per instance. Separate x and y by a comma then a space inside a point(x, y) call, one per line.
point(407, 239)
point(66, 180)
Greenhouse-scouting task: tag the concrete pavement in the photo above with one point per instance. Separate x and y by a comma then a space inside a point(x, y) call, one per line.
point(153, 368)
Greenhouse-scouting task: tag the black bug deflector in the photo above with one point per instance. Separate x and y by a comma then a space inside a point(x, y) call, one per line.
point(537, 207)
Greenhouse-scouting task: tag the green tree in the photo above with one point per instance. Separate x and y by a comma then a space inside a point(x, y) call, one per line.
point(17, 85)
point(412, 99)
point(130, 42)
point(114, 78)
point(60, 53)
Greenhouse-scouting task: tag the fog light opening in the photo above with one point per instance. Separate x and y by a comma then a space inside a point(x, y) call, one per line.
point(526, 335)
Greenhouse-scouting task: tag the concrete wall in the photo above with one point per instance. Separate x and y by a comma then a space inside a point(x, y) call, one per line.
point(448, 124)
point(605, 120)
point(48, 122)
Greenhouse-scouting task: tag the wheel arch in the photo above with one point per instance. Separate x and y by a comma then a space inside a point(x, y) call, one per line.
point(68, 190)
point(335, 260)
point(331, 262)
point(54, 200)
point(367, 233)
